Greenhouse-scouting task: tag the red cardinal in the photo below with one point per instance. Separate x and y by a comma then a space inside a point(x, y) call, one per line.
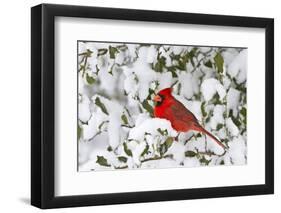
point(181, 118)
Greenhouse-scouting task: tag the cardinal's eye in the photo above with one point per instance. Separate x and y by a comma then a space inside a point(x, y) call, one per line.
point(162, 97)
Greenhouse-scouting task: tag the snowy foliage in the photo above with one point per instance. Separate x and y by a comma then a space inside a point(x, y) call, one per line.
point(117, 82)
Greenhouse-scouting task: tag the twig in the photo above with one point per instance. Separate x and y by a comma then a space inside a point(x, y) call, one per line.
point(186, 141)
point(145, 160)
point(128, 126)
point(210, 153)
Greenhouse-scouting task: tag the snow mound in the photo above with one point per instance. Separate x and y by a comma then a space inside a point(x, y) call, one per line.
point(210, 87)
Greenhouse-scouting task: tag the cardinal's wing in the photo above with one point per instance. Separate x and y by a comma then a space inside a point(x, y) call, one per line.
point(181, 113)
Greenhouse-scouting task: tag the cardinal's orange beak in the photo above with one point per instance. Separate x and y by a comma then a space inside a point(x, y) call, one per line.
point(157, 98)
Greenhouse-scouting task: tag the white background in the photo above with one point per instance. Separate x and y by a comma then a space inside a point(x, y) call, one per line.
point(15, 105)
point(71, 182)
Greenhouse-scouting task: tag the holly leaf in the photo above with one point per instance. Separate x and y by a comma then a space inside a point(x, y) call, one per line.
point(102, 52)
point(166, 145)
point(219, 126)
point(173, 70)
point(109, 148)
point(219, 62)
point(124, 119)
point(102, 161)
point(147, 107)
point(79, 132)
point(127, 150)
point(162, 132)
point(145, 150)
point(203, 160)
point(203, 111)
point(208, 64)
point(90, 80)
point(243, 111)
point(122, 159)
point(113, 51)
point(190, 154)
point(101, 105)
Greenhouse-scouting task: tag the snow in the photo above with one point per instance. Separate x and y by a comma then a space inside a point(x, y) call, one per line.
point(165, 80)
point(233, 96)
point(191, 162)
point(214, 147)
point(238, 67)
point(92, 128)
point(124, 82)
point(151, 54)
point(218, 116)
point(210, 87)
point(178, 151)
point(237, 151)
point(232, 128)
point(114, 117)
point(150, 126)
point(186, 81)
point(84, 109)
point(119, 58)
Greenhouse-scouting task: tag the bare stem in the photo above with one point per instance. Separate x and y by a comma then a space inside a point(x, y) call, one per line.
point(145, 160)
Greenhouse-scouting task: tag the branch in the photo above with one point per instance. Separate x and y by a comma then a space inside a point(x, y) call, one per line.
point(145, 160)
point(210, 153)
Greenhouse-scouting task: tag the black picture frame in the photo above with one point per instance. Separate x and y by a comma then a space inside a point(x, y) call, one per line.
point(43, 105)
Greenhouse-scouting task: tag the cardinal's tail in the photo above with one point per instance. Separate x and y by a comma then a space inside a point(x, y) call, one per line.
point(201, 129)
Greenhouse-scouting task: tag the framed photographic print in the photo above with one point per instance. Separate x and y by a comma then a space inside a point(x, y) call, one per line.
point(139, 106)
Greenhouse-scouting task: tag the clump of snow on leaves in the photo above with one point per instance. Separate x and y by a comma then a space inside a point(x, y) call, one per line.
point(117, 82)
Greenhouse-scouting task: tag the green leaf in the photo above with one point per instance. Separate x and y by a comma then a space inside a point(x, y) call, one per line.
point(203, 111)
point(102, 161)
point(173, 70)
point(236, 122)
point(101, 105)
point(102, 52)
point(219, 126)
point(109, 148)
point(243, 111)
point(89, 53)
point(145, 150)
point(160, 64)
point(234, 119)
point(113, 51)
point(79, 132)
point(216, 99)
point(147, 107)
point(198, 135)
point(205, 161)
point(162, 132)
point(150, 93)
point(190, 154)
point(166, 145)
point(90, 79)
point(208, 64)
point(122, 159)
point(191, 55)
point(225, 140)
point(219, 62)
point(124, 119)
point(183, 60)
point(127, 150)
